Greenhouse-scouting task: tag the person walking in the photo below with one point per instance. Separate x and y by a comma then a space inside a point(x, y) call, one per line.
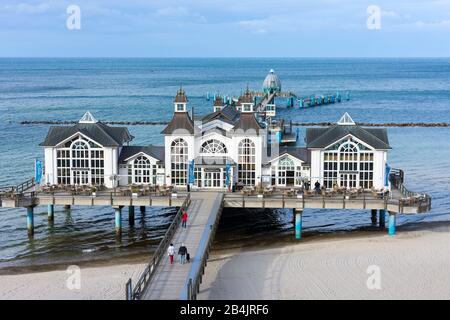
point(171, 252)
point(182, 253)
point(184, 218)
point(317, 187)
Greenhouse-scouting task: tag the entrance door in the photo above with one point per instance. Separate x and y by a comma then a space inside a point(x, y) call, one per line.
point(80, 177)
point(212, 179)
point(348, 180)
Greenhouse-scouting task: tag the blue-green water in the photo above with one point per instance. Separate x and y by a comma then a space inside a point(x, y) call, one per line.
point(383, 90)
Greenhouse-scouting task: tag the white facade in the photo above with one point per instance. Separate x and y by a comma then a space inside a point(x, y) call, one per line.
point(219, 153)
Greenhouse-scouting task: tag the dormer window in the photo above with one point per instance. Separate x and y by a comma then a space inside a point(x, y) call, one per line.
point(247, 108)
point(180, 107)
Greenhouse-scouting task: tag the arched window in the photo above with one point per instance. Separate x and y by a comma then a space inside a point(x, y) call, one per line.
point(246, 162)
point(80, 161)
point(142, 170)
point(213, 146)
point(286, 164)
point(348, 156)
point(286, 171)
point(80, 154)
point(348, 164)
point(179, 160)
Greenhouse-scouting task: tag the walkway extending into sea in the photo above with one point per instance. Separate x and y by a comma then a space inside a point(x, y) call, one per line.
point(171, 282)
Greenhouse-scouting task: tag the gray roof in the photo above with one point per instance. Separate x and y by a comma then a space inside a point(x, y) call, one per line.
point(99, 132)
point(247, 121)
point(156, 152)
point(218, 130)
point(298, 152)
point(180, 121)
point(228, 114)
point(323, 137)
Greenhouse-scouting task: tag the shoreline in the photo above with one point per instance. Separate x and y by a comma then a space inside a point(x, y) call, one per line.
point(260, 242)
point(295, 270)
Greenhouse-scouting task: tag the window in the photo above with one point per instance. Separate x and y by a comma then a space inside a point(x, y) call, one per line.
point(348, 163)
point(80, 161)
point(330, 169)
point(180, 107)
point(213, 146)
point(141, 171)
point(246, 162)
point(198, 176)
point(366, 170)
point(179, 160)
point(286, 171)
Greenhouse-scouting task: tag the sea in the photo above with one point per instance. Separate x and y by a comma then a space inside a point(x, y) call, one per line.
point(400, 90)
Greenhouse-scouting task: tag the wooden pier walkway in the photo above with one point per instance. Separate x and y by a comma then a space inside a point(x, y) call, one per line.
point(171, 282)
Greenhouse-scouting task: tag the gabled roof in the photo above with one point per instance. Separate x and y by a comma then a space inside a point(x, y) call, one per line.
point(218, 130)
point(247, 121)
point(323, 137)
point(156, 152)
point(297, 152)
point(228, 114)
point(97, 131)
point(180, 121)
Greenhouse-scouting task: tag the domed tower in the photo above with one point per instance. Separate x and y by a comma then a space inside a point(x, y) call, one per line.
point(271, 83)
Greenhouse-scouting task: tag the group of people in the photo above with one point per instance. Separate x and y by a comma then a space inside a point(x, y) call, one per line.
point(183, 253)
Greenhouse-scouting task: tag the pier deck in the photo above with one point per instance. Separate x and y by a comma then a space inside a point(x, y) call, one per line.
point(171, 282)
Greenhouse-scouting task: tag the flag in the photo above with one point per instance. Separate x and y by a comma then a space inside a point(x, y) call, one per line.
point(38, 171)
point(191, 172)
point(388, 170)
point(227, 174)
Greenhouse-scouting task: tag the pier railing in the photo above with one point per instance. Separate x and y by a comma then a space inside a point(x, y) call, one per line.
point(198, 267)
point(146, 276)
point(24, 186)
point(397, 178)
point(19, 189)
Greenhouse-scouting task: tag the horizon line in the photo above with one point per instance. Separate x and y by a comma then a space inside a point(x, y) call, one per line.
point(224, 57)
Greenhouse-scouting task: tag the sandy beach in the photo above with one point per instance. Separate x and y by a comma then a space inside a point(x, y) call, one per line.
point(412, 265)
point(97, 283)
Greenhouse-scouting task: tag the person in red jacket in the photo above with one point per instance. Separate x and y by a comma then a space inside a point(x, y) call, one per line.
point(184, 217)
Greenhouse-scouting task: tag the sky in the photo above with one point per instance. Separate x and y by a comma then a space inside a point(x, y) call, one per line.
point(224, 28)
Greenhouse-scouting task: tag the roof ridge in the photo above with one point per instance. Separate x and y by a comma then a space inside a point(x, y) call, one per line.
point(100, 125)
point(374, 135)
point(326, 131)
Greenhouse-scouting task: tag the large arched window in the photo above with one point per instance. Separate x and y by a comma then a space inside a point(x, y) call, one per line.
point(213, 146)
point(179, 160)
point(80, 154)
point(142, 170)
point(246, 162)
point(348, 164)
point(80, 161)
point(348, 157)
